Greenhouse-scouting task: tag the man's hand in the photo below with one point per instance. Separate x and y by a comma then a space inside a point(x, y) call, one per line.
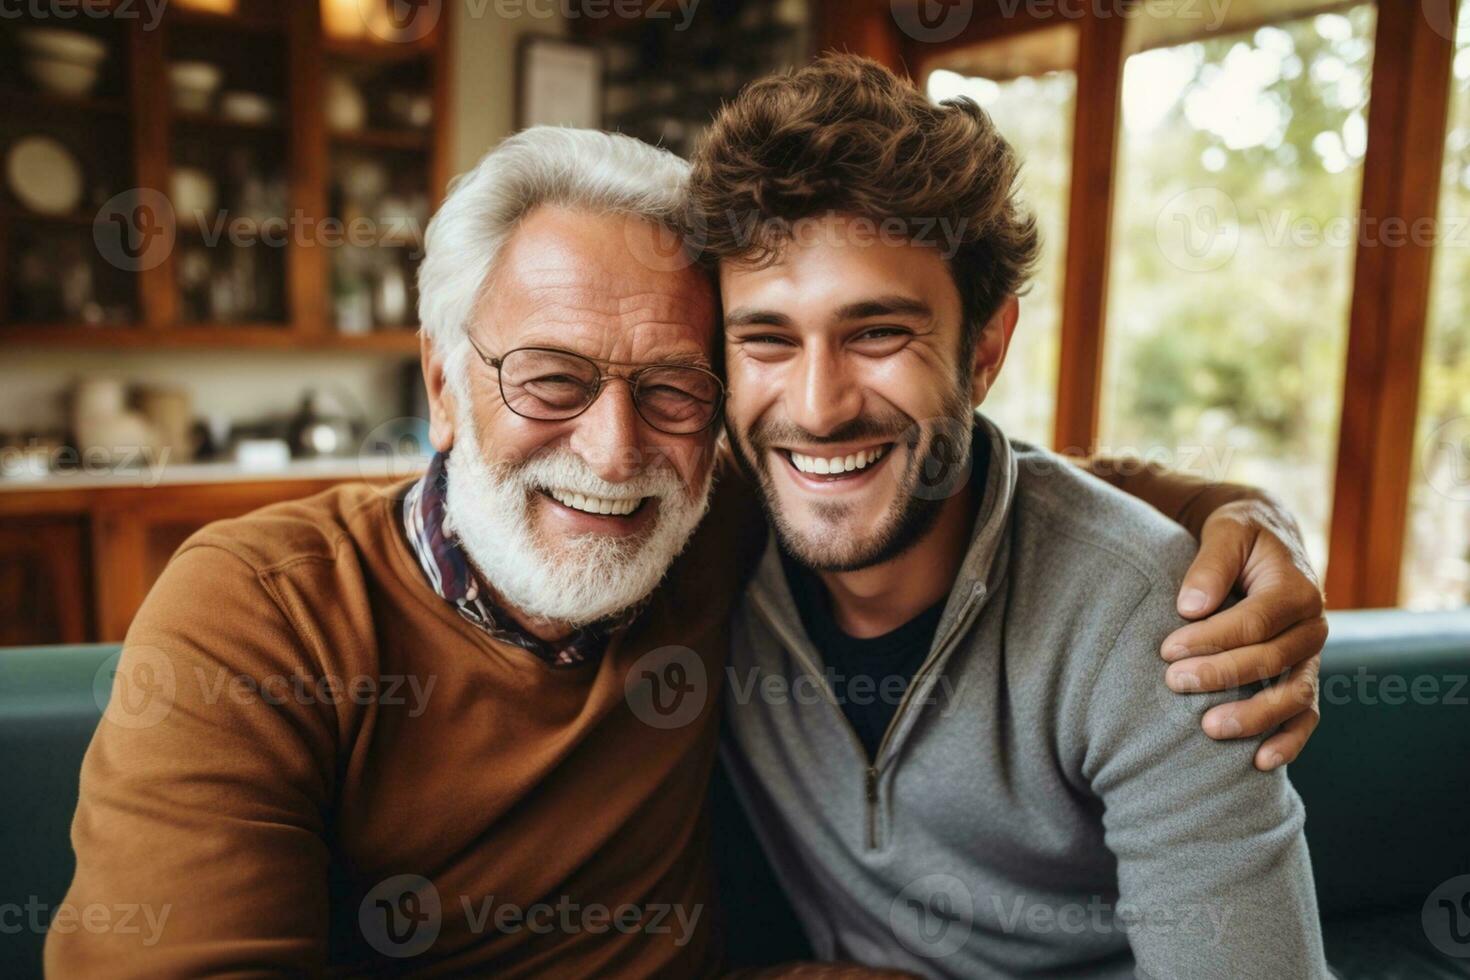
point(1276, 630)
point(1251, 544)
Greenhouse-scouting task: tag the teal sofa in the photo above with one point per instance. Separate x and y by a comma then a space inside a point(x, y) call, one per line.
point(1386, 783)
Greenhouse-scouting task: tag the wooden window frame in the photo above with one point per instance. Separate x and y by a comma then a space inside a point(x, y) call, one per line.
point(1389, 311)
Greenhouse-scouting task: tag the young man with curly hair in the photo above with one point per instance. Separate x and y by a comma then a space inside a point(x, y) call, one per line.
point(995, 780)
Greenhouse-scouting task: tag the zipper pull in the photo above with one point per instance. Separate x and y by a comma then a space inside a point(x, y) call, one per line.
point(872, 783)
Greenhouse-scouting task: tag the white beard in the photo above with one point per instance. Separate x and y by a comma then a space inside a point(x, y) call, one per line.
point(574, 580)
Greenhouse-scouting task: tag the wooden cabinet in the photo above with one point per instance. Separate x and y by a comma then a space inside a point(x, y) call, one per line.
point(75, 564)
point(276, 236)
point(45, 591)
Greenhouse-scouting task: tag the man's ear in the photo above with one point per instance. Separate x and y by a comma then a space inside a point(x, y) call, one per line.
point(442, 408)
point(991, 348)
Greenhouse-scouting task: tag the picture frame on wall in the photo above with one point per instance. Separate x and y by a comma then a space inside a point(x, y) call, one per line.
point(558, 83)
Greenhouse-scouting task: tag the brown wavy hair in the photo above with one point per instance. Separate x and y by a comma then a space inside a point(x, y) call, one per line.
point(844, 135)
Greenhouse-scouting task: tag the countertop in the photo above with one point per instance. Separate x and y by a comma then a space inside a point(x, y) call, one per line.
point(177, 474)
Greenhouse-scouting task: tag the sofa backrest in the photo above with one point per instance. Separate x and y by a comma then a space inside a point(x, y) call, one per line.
point(1385, 780)
point(51, 699)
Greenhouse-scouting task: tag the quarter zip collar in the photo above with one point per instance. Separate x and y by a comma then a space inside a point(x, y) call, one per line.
point(984, 565)
point(979, 577)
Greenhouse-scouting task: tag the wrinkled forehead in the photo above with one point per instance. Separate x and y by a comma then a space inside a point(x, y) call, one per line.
point(595, 284)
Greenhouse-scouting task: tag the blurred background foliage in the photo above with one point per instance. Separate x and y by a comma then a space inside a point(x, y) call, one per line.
point(1236, 222)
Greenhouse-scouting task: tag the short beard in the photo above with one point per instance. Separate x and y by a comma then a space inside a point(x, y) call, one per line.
point(913, 513)
point(578, 580)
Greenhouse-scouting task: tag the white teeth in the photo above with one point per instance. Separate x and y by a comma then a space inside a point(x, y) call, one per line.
point(836, 464)
point(596, 505)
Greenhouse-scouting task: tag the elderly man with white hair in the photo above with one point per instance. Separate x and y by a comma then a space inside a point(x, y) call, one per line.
point(464, 725)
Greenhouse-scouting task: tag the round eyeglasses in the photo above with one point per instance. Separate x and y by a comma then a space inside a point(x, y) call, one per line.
point(547, 384)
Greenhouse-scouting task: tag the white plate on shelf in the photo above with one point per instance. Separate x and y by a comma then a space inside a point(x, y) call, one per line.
point(249, 108)
point(44, 175)
point(63, 45)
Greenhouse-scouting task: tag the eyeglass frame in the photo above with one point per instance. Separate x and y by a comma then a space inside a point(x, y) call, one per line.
point(602, 379)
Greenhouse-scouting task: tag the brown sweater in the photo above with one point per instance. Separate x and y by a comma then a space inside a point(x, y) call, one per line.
point(261, 819)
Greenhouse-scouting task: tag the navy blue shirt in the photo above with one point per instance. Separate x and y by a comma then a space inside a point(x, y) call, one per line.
point(870, 675)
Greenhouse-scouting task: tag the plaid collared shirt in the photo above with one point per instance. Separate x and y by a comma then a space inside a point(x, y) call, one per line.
point(453, 577)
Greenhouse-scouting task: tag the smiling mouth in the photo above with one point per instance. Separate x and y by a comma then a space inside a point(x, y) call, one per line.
point(597, 506)
point(831, 468)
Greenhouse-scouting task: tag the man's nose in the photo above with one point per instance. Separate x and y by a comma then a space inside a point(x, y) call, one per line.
point(608, 435)
point(821, 395)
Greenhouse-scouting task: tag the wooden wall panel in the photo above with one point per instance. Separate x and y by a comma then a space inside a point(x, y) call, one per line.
point(863, 27)
point(44, 590)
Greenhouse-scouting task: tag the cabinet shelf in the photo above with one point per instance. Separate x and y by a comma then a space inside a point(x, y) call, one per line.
point(219, 124)
point(19, 216)
point(407, 140)
point(281, 336)
point(44, 104)
point(379, 52)
point(243, 23)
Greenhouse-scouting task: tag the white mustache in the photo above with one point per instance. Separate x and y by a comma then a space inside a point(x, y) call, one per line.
point(565, 470)
point(580, 579)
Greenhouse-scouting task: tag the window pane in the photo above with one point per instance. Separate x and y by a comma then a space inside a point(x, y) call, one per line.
point(1035, 114)
point(1233, 248)
point(1436, 571)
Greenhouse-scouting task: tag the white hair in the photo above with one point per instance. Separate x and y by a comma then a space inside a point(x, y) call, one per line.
point(605, 173)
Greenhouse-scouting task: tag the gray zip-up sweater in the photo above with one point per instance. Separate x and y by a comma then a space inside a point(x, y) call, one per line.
point(1042, 805)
